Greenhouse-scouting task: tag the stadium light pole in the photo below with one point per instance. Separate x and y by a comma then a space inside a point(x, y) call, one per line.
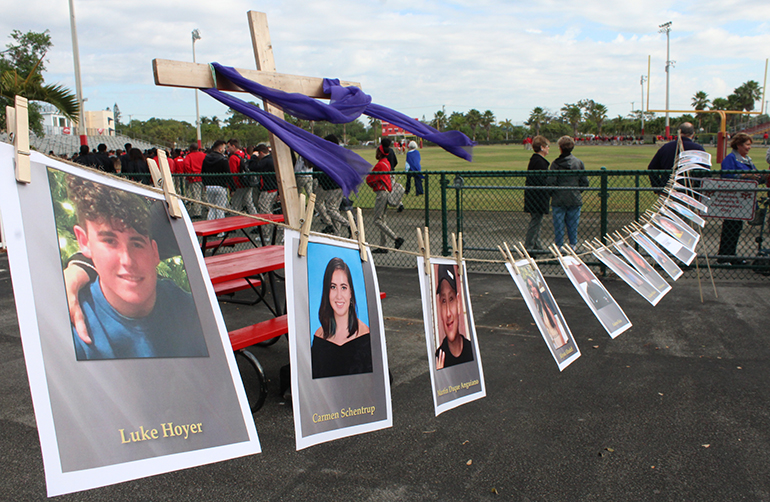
point(666, 28)
point(644, 79)
point(196, 35)
point(82, 131)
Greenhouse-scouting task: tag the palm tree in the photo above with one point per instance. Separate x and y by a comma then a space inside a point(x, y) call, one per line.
point(598, 113)
point(572, 115)
point(506, 125)
point(700, 101)
point(537, 118)
point(473, 119)
point(33, 88)
point(746, 94)
point(439, 120)
point(487, 121)
point(376, 128)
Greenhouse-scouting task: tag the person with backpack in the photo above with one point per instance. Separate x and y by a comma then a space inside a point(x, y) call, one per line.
point(382, 187)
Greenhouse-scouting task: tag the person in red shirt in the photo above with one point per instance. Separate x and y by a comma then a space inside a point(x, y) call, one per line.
point(243, 196)
point(192, 165)
point(382, 187)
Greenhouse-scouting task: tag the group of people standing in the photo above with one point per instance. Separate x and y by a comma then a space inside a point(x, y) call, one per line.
point(562, 196)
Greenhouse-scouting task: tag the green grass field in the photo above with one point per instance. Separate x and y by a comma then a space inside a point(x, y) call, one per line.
point(494, 193)
point(516, 158)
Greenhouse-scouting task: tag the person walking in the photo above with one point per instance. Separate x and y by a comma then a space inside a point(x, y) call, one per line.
point(381, 184)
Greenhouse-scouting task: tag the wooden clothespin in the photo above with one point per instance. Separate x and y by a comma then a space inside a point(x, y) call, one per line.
point(587, 243)
point(555, 251)
point(167, 183)
point(457, 251)
point(509, 257)
point(423, 250)
point(424, 243)
point(17, 124)
point(157, 181)
point(305, 224)
point(357, 231)
point(571, 251)
point(524, 254)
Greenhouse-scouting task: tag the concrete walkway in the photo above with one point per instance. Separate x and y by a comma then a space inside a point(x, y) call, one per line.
point(676, 408)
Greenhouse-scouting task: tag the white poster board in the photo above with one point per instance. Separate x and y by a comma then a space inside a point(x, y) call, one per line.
point(454, 360)
point(596, 296)
point(149, 405)
point(545, 312)
point(339, 363)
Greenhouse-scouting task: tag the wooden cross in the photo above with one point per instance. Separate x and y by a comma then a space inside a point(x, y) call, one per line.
point(198, 76)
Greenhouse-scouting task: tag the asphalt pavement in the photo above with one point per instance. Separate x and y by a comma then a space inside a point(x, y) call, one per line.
point(676, 408)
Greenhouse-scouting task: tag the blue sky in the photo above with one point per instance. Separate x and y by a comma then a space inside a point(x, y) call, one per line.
point(415, 56)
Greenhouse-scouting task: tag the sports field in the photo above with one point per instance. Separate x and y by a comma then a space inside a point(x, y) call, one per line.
point(516, 158)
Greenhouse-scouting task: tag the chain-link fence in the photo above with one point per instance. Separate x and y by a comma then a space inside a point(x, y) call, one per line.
point(487, 207)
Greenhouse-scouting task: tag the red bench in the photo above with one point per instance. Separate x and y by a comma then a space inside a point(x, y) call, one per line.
point(229, 242)
point(260, 332)
point(228, 287)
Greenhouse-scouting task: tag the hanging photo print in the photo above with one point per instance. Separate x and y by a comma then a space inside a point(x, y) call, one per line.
point(144, 380)
point(686, 212)
point(629, 275)
point(339, 365)
point(678, 192)
point(450, 334)
point(598, 299)
point(548, 317)
point(673, 246)
point(643, 267)
point(658, 255)
point(682, 233)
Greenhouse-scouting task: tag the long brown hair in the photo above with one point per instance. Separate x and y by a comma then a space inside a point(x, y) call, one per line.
point(325, 311)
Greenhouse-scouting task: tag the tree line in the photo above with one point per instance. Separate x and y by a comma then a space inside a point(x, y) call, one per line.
point(22, 65)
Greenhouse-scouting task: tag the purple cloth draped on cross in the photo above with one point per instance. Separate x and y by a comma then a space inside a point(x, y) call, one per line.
point(347, 103)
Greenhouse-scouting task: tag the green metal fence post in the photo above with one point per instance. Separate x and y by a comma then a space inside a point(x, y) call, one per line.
point(444, 224)
point(636, 198)
point(458, 206)
point(604, 195)
point(426, 199)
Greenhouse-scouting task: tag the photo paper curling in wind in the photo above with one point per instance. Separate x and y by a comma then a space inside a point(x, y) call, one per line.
point(629, 275)
point(678, 192)
point(686, 212)
point(684, 168)
point(593, 292)
point(456, 376)
point(643, 267)
point(658, 255)
point(98, 424)
point(673, 246)
point(673, 216)
point(694, 156)
point(682, 233)
point(339, 365)
point(546, 313)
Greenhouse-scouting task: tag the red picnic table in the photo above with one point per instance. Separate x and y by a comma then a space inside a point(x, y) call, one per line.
point(208, 229)
point(230, 272)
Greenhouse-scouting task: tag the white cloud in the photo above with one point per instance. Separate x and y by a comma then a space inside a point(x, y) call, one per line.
point(414, 56)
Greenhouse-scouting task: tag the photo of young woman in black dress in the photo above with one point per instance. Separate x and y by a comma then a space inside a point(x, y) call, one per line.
point(342, 345)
